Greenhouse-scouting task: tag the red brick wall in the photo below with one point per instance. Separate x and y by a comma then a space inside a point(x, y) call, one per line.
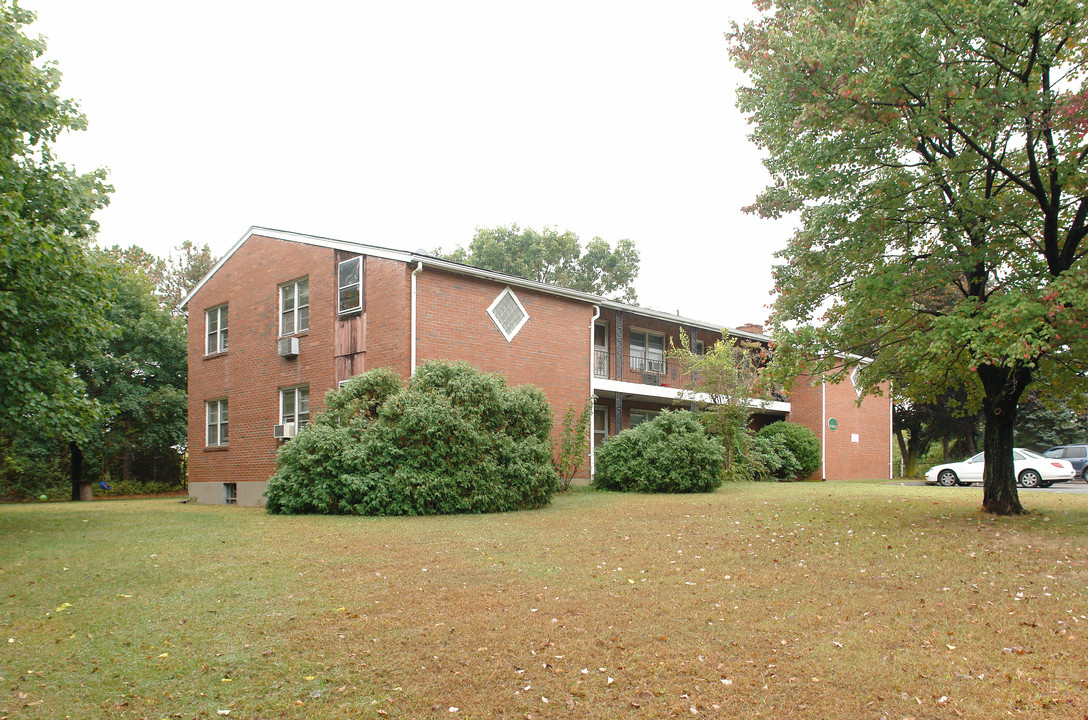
point(550, 351)
point(250, 373)
point(869, 457)
point(389, 315)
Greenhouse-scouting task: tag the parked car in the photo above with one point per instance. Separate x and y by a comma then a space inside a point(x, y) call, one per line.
point(1032, 470)
point(1077, 455)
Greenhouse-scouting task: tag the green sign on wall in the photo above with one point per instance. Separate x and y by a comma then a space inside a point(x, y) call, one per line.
point(832, 424)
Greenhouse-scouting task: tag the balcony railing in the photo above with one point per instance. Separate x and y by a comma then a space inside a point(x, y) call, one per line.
point(637, 369)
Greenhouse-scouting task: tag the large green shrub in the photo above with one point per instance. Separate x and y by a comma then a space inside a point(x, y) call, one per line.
point(671, 453)
point(455, 440)
point(769, 458)
point(799, 441)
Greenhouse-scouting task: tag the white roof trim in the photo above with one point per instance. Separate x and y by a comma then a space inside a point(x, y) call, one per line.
point(461, 269)
point(345, 245)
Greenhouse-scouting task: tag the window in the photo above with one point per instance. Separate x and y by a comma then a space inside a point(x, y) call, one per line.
point(350, 283)
point(215, 322)
point(295, 406)
point(217, 422)
point(295, 307)
point(230, 493)
point(647, 351)
point(600, 425)
point(854, 380)
point(700, 348)
point(508, 314)
point(640, 416)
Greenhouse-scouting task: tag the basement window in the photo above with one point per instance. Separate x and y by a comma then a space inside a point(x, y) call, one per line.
point(508, 314)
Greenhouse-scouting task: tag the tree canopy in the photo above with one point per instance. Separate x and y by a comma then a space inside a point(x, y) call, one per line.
point(935, 152)
point(554, 257)
point(52, 293)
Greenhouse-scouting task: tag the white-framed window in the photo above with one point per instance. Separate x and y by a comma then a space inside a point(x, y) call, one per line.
point(647, 351)
point(640, 416)
point(216, 413)
point(508, 314)
point(215, 328)
point(295, 405)
point(295, 306)
point(230, 493)
point(700, 348)
point(349, 281)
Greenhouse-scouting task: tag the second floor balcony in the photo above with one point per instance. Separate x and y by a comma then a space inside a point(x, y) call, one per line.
point(639, 369)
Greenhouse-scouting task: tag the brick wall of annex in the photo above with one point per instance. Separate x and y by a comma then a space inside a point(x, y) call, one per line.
point(388, 315)
point(844, 459)
point(250, 374)
point(551, 351)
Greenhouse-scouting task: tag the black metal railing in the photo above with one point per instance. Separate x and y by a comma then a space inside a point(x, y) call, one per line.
point(637, 369)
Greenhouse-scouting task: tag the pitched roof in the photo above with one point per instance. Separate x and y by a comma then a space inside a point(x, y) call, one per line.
point(462, 269)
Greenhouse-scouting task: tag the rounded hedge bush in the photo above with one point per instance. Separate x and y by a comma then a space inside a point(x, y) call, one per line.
point(800, 442)
point(671, 453)
point(454, 440)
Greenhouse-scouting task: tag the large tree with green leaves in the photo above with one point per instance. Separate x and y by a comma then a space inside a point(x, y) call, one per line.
point(554, 257)
point(52, 294)
point(928, 145)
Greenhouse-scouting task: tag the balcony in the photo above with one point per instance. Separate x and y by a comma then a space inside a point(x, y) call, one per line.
point(637, 369)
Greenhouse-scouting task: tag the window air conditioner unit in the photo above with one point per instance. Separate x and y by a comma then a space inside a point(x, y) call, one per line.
point(284, 432)
point(288, 347)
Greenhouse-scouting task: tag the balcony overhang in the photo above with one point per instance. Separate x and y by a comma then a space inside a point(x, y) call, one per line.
point(603, 387)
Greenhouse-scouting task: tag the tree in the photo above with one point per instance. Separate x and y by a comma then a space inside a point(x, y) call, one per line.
point(187, 266)
point(53, 296)
point(727, 376)
point(554, 258)
point(139, 378)
point(927, 145)
point(1041, 424)
point(135, 380)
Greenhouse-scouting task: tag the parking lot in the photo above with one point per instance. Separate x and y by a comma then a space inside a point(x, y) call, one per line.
point(1076, 487)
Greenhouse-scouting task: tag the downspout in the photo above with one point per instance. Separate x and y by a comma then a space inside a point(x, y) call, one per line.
point(417, 271)
point(891, 433)
point(823, 427)
point(593, 411)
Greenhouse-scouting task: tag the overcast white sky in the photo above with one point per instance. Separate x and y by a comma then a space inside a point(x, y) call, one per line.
point(408, 124)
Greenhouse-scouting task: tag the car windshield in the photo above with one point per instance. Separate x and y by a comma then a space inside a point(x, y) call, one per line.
point(977, 458)
point(1030, 454)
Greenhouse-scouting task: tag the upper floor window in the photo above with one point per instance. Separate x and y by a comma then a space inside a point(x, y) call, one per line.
point(215, 323)
point(295, 405)
point(295, 307)
point(350, 283)
point(647, 351)
point(216, 411)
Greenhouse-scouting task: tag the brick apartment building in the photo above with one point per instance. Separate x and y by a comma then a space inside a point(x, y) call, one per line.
point(283, 317)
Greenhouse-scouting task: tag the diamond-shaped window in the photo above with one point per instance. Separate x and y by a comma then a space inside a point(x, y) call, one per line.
point(854, 380)
point(508, 314)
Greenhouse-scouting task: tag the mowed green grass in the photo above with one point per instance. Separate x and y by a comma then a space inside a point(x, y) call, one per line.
point(832, 600)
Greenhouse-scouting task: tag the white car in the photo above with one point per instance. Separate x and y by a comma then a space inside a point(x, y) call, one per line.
point(1032, 470)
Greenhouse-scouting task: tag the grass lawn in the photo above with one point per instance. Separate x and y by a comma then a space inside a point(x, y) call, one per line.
point(831, 600)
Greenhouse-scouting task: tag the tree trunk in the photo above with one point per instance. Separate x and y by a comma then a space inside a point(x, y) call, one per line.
point(76, 470)
point(1003, 389)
